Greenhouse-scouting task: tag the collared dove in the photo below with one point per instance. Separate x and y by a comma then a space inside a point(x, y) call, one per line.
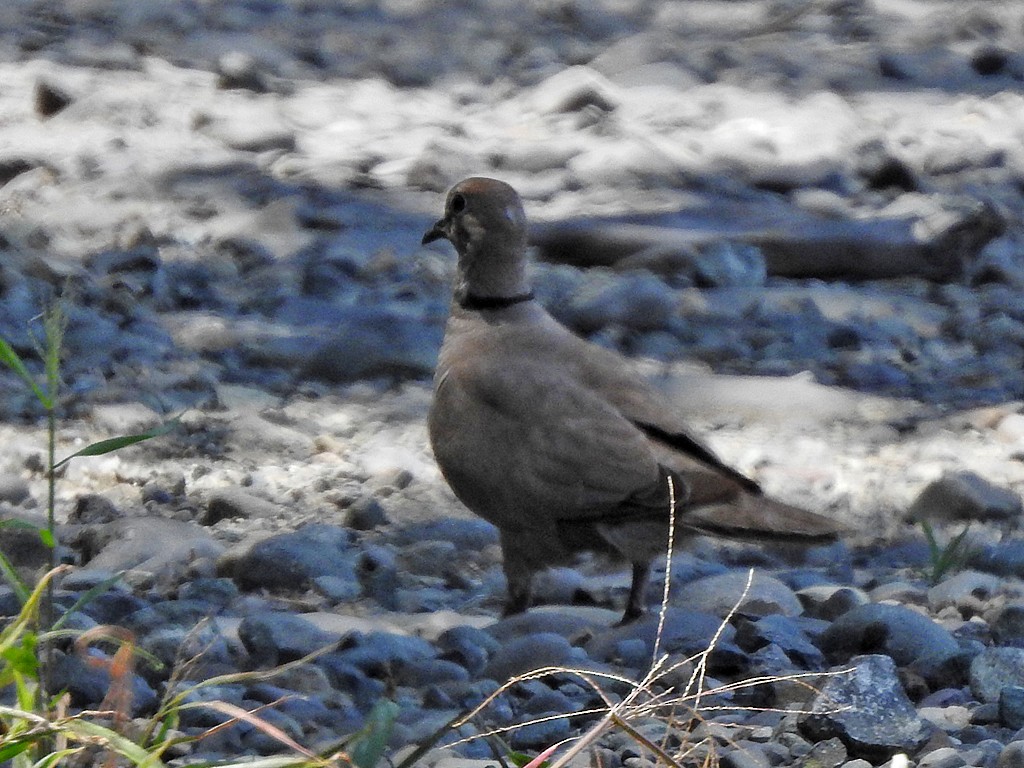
point(556, 441)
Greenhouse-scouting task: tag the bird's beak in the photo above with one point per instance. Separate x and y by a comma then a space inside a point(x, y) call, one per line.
point(436, 232)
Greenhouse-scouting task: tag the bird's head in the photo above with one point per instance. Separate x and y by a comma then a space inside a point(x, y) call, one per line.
point(480, 213)
point(484, 220)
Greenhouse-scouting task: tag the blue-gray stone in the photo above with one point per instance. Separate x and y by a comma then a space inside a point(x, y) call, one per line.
point(274, 638)
point(174, 646)
point(422, 672)
point(994, 669)
point(1003, 559)
point(894, 630)
point(89, 684)
point(1008, 626)
point(868, 710)
point(1011, 706)
point(541, 734)
point(292, 560)
point(220, 592)
point(180, 613)
point(467, 645)
point(208, 717)
point(524, 654)
point(782, 632)
point(685, 632)
point(350, 679)
point(378, 574)
point(113, 606)
point(466, 534)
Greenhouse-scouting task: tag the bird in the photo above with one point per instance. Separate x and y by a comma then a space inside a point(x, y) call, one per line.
point(558, 442)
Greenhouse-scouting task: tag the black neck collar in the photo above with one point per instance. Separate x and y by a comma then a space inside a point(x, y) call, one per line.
point(473, 302)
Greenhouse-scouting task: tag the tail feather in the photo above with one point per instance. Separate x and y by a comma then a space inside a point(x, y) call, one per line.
point(759, 518)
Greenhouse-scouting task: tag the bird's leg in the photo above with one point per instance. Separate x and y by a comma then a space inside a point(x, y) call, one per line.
point(519, 591)
point(518, 574)
point(636, 605)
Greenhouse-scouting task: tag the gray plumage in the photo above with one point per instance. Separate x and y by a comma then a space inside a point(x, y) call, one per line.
point(555, 440)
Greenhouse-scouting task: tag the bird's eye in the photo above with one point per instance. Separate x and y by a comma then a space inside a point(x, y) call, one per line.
point(458, 204)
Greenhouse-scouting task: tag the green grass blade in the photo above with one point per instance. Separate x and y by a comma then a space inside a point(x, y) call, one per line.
point(10, 358)
point(21, 589)
point(115, 443)
point(89, 730)
point(13, 744)
point(368, 747)
point(87, 597)
point(57, 758)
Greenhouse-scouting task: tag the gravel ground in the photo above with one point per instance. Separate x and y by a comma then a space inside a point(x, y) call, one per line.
point(803, 219)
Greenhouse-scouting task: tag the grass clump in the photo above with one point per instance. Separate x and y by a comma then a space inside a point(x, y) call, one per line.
point(947, 558)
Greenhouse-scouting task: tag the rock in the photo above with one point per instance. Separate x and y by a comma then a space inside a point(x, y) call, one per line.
point(468, 646)
point(228, 503)
point(13, 490)
point(161, 614)
point(782, 632)
point(541, 734)
point(89, 683)
point(430, 558)
point(525, 654)
point(572, 90)
point(470, 535)
point(265, 133)
point(275, 638)
point(944, 757)
point(1008, 626)
point(994, 669)
point(422, 672)
point(746, 756)
point(945, 666)
point(1005, 558)
point(374, 343)
point(685, 632)
point(237, 69)
point(377, 653)
point(1011, 756)
point(868, 710)
point(22, 542)
point(965, 496)
point(1011, 706)
point(721, 593)
point(950, 719)
point(559, 586)
point(829, 602)
point(726, 264)
point(365, 514)
point(113, 606)
point(162, 548)
point(293, 560)
point(50, 99)
point(206, 652)
point(217, 592)
point(377, 569)
point(964, 588)
point(894, 630)
point(830, 753)
point(350, 679)
point(640, 302)
point(91, 508)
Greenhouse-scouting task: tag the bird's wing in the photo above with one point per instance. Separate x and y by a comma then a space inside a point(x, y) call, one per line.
point(516, 434)
point(611, 375)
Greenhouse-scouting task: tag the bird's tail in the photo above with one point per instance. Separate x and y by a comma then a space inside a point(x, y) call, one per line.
point(759, 518)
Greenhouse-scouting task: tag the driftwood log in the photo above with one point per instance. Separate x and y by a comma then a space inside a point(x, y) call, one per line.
point(794, 243)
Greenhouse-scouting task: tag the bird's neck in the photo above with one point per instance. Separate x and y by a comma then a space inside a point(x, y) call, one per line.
point(493, 278)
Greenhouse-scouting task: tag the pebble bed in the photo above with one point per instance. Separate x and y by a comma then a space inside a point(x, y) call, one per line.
point(231, 196)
